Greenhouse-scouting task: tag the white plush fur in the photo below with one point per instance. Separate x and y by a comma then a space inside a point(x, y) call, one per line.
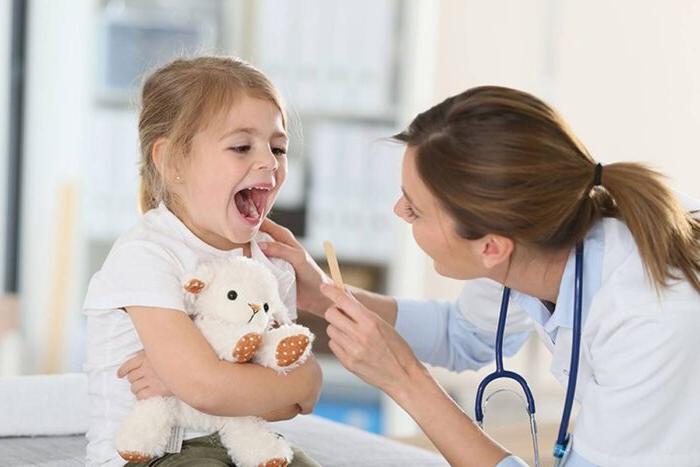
point(223, 321)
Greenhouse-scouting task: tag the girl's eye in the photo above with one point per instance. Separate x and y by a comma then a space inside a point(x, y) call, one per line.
point(279, 151)
point(266, 307)
point(232, 295)
point(241, 149)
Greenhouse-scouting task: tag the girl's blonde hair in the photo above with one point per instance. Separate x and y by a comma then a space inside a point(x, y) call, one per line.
point(180, 99)
point(502, 161)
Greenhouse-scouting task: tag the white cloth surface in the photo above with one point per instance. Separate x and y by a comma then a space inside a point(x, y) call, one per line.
point(58, 405)
point(43, 405)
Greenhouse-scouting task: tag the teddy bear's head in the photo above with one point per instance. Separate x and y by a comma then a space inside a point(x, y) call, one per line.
point(238, 291)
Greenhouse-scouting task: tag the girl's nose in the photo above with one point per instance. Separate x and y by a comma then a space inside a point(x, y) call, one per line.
point(267, 161)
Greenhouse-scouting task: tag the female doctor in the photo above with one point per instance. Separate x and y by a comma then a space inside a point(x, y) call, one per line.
point(498, 190)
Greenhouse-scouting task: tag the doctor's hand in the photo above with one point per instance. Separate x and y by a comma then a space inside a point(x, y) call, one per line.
point(367, 345)
point(309, 275)
point(144, 381)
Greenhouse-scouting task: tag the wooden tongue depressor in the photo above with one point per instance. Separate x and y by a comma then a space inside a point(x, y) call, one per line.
point(333, 264)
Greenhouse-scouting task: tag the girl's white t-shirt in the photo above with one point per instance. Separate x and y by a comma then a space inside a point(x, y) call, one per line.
point(146, 267)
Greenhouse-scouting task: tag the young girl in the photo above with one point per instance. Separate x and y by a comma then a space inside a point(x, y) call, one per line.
point(213, 136)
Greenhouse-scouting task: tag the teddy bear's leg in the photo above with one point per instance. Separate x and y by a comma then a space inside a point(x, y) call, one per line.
point(250, 443)
point(285, 347)
point(145, 432)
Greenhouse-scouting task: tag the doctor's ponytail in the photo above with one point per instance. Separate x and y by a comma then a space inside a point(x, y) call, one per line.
point(502, 161)
point(667, 236)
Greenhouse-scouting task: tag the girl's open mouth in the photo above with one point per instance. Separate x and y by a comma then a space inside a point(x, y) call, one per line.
point(251, 203)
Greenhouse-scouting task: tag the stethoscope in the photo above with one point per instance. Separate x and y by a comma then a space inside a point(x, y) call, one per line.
point(560, 448)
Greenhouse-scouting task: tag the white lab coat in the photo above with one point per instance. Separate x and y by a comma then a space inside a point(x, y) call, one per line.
point(639, 370)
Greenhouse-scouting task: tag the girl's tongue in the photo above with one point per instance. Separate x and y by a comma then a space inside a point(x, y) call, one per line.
point(249, 203)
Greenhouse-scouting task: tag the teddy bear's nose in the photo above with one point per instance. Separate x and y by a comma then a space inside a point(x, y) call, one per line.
point(254, 307)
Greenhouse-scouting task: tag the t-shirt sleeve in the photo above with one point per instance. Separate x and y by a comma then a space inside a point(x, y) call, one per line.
point(136, 273)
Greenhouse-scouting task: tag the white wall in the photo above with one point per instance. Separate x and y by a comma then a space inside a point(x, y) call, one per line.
point(58, 98)
point(5, 44)
point(625, 75)
point(628, 80)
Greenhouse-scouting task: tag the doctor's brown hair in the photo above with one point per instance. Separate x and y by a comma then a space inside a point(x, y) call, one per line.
point(501, 161)
point(180, 99)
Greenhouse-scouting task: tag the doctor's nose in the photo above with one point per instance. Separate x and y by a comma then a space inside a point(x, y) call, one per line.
point(255, 307)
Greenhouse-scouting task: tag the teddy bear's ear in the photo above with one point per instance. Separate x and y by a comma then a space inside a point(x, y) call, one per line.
point(194, 286)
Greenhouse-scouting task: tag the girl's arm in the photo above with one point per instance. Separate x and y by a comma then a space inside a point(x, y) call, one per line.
point(187, 365)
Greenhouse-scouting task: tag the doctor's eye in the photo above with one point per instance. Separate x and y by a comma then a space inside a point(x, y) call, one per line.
point(232, 295)
point(266, 307)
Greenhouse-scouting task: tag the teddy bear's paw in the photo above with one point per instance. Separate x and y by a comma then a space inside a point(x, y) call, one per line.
point(275, 463)
point(246, 347)
point(145, 431)
point(290, 349)
point(136, 457)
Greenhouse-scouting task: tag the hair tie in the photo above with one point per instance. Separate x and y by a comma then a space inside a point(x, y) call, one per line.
point(598, 175)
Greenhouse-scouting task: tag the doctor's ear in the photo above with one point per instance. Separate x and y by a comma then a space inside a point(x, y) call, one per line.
point(495, 250)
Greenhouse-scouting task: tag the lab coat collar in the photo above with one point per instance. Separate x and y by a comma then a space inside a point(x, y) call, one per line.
point(563, 316)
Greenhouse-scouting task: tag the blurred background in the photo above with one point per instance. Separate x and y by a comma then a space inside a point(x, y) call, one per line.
point(625, 74)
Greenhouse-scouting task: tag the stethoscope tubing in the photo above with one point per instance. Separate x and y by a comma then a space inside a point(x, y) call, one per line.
point(500, 373)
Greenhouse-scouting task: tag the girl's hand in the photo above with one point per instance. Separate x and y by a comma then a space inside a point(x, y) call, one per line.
point(367, 345)
point(309, 275)
point(144, 381)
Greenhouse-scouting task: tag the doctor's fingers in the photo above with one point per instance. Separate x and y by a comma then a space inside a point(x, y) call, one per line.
point(348, 361)
point(356, 351)
point(293, 255)
point(342, 321)
point(131, 364)
point(347, 303)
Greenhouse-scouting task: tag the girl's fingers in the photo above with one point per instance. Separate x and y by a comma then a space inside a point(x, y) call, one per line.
point(135, 375)
point(139, 385)
point(131, 364)
point(144, 393)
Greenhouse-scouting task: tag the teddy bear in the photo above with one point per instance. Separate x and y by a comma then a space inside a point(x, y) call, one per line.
point(236, 305)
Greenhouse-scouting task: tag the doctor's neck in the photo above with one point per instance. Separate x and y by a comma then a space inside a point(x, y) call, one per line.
point(536, 274)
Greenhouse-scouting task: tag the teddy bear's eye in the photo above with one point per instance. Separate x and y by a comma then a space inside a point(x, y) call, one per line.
point(266, 307)
point(232, 295)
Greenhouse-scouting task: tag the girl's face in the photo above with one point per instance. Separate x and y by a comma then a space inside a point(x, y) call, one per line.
point(433, 228)
point(235, 170)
